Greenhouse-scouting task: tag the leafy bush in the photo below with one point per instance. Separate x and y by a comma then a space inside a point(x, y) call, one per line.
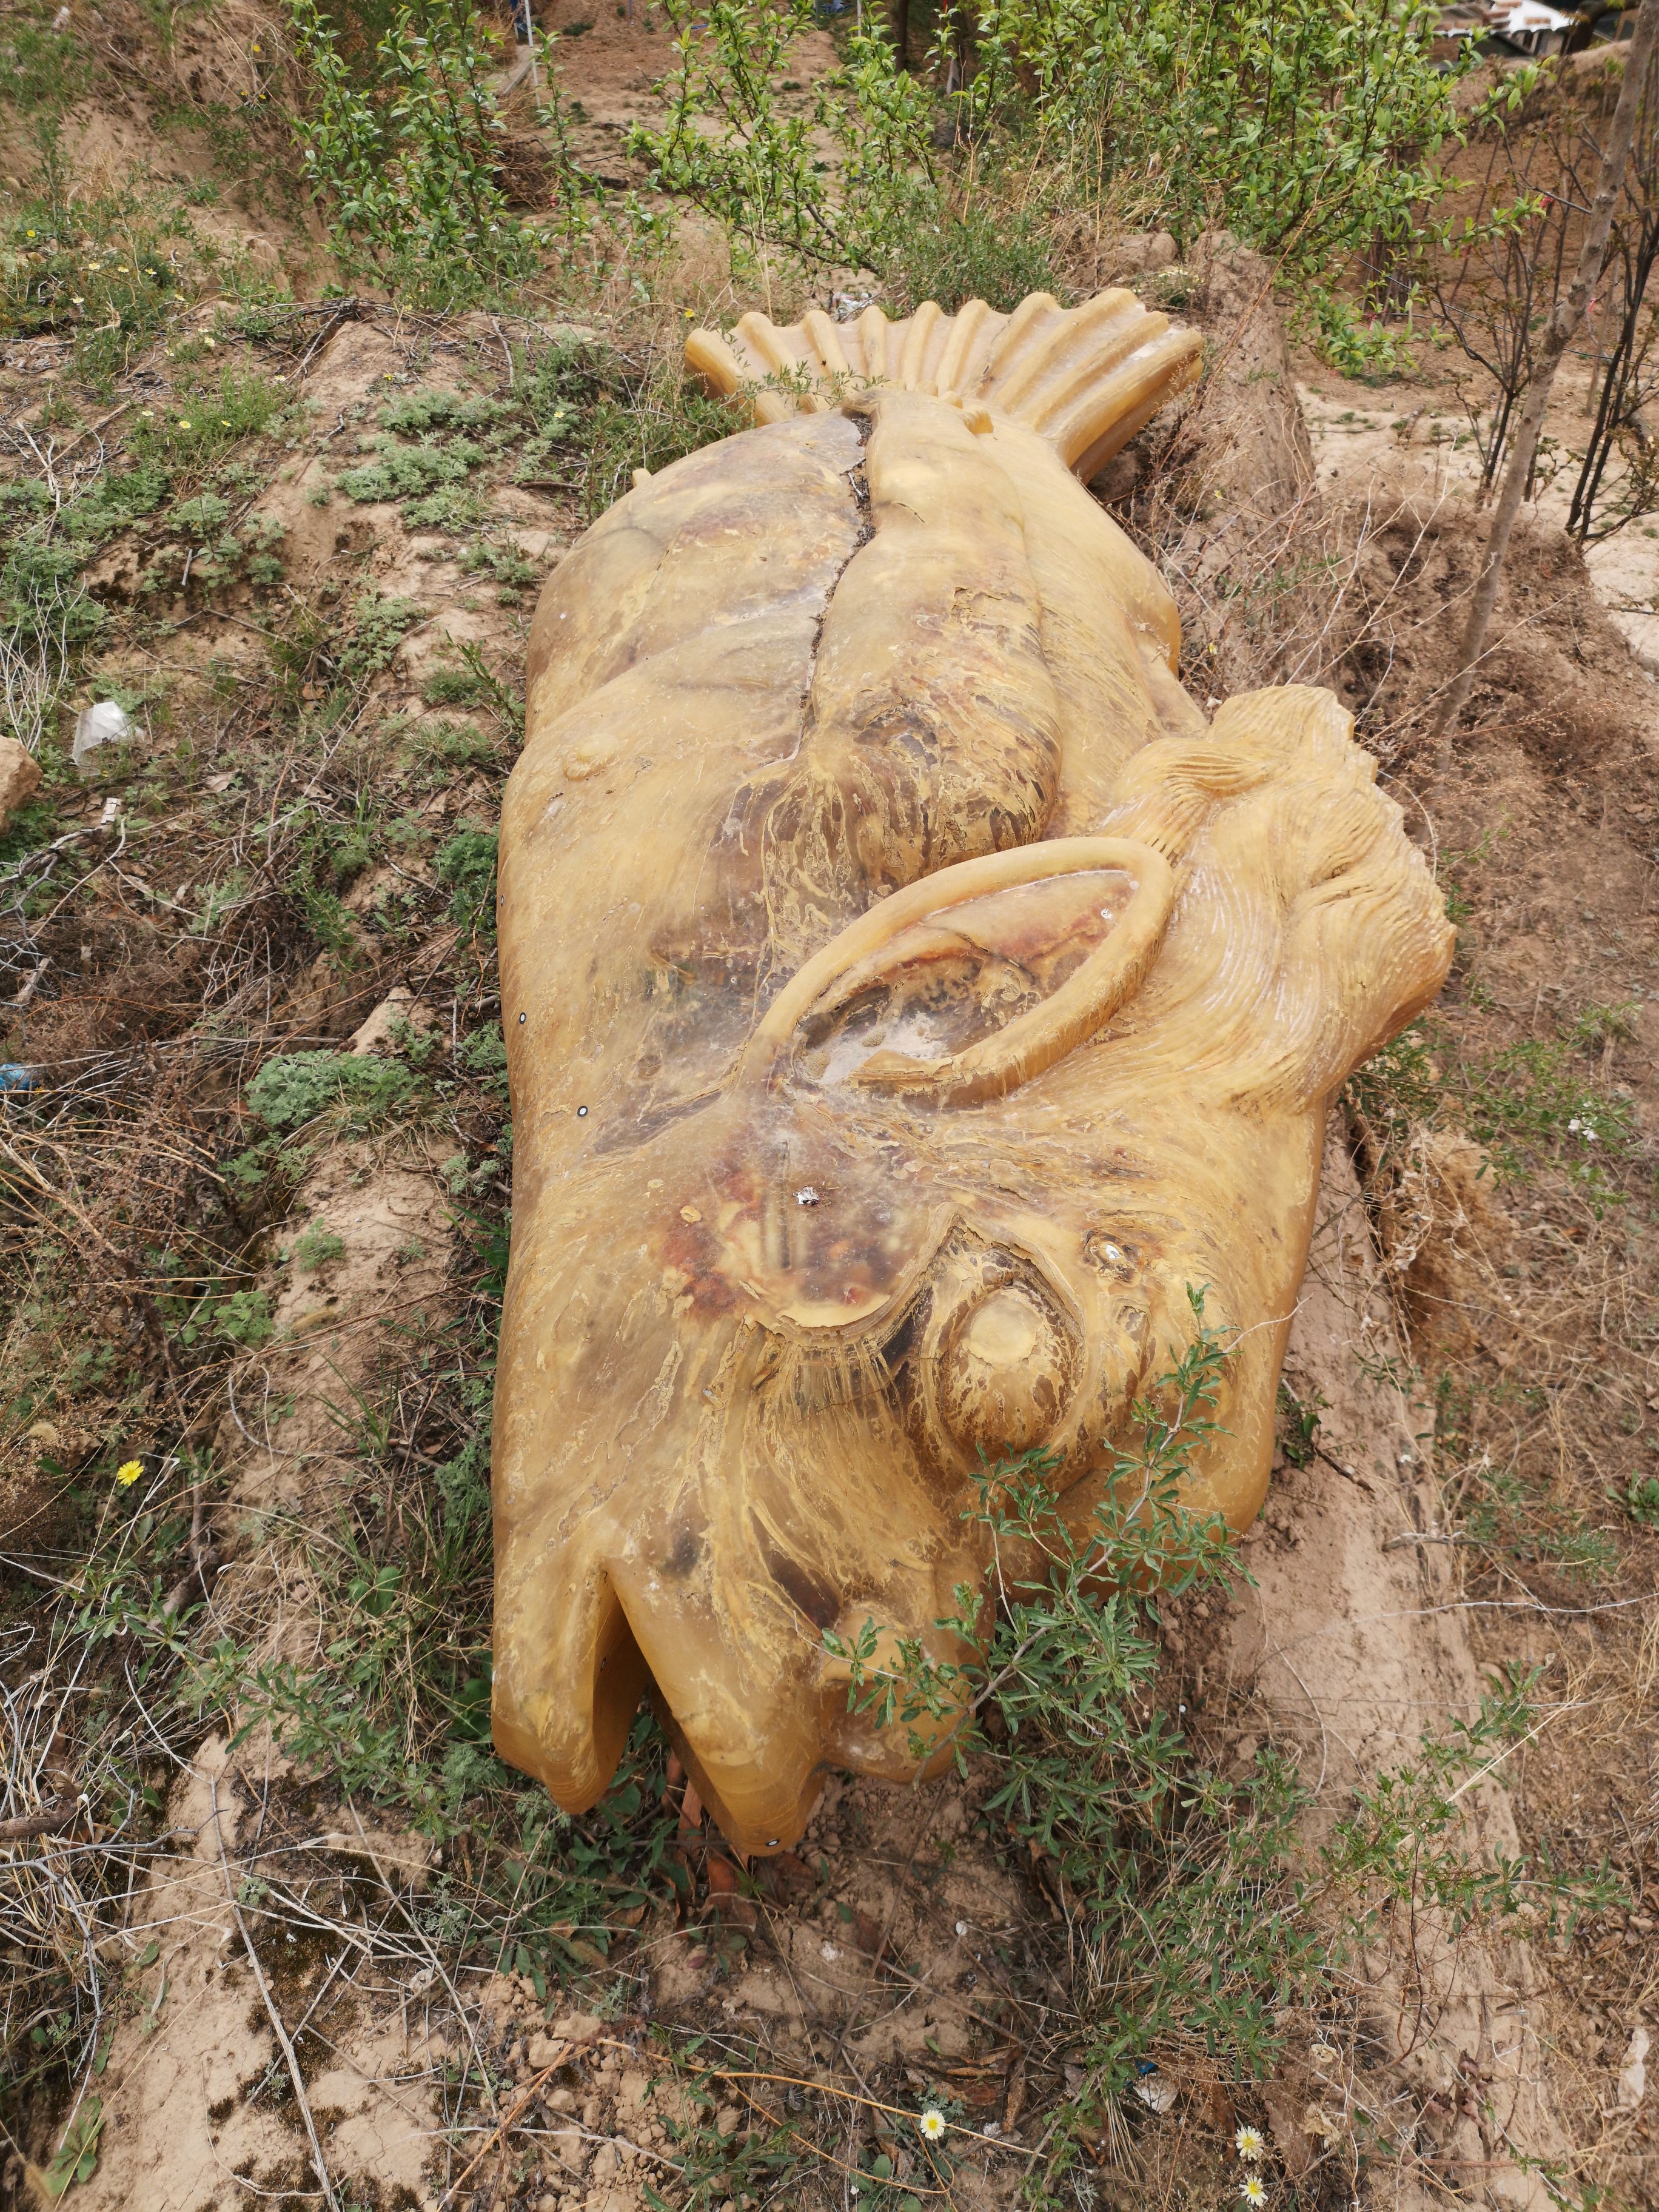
point(296, 1087)
point(405, 161)
point(759, 169)
point(1310, 131)
point(1307, 130)
point(1521, 1102)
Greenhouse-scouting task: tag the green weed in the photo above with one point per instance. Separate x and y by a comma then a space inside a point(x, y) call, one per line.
point(97, 268)
point(453, 687)
point(1640, 1499)
point(972, 250)
point(186, 437)
point(316, 1245)
point(356, 1088)
point(596, 417)
point(424, 477)
point(44, 71)
point(437, 750)
point(1522, 1102)
point(466, 862)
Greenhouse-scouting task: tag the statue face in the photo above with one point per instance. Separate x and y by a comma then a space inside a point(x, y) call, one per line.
point(910, 999)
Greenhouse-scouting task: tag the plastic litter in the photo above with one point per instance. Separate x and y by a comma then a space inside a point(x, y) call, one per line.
point(102, 725)
point(1633, 2071)
point(15, 1077)
point(1156, 2091)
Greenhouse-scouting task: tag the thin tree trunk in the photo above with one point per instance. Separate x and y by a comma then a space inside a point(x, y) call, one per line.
point(1564, 322)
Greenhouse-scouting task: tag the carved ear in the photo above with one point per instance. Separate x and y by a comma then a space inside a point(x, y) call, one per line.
point(1310, 930)
point(966, 985)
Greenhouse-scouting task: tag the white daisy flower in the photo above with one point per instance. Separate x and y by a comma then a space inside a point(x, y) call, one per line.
point(1254, 2190)
point(1251, 2144)
point(932, 2124)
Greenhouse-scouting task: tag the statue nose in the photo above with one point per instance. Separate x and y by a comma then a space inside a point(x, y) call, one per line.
point(741, 1518)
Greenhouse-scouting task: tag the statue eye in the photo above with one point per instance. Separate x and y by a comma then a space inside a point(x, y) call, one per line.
point(1007, 1372)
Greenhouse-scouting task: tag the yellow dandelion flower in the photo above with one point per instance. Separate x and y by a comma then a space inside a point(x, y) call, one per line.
point(932, 2124)
point(129, 1471)
point(184, 421)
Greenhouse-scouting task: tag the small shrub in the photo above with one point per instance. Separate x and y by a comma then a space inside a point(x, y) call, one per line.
point(977, 251)
point(198, 427)
point(454, 687)
point(316, 1246)
point(378, 628)
point(297, 1087)
point(467, 863)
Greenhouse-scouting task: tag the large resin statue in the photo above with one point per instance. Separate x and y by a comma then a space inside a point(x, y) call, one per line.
point(909, 994)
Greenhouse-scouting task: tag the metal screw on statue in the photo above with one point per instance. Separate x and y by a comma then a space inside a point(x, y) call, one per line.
point(105, 724)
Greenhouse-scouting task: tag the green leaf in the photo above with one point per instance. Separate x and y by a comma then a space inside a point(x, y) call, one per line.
point(76, 2156)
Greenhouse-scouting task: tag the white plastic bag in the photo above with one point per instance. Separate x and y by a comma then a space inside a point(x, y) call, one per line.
point(103, 725)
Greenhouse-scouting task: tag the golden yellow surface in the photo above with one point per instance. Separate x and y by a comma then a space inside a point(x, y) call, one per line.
point(908, 994)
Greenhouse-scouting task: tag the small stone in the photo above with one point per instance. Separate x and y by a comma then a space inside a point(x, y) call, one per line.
point(727, 2120)
point(20, 778)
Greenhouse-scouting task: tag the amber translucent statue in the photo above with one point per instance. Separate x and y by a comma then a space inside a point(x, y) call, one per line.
point(908, 995)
